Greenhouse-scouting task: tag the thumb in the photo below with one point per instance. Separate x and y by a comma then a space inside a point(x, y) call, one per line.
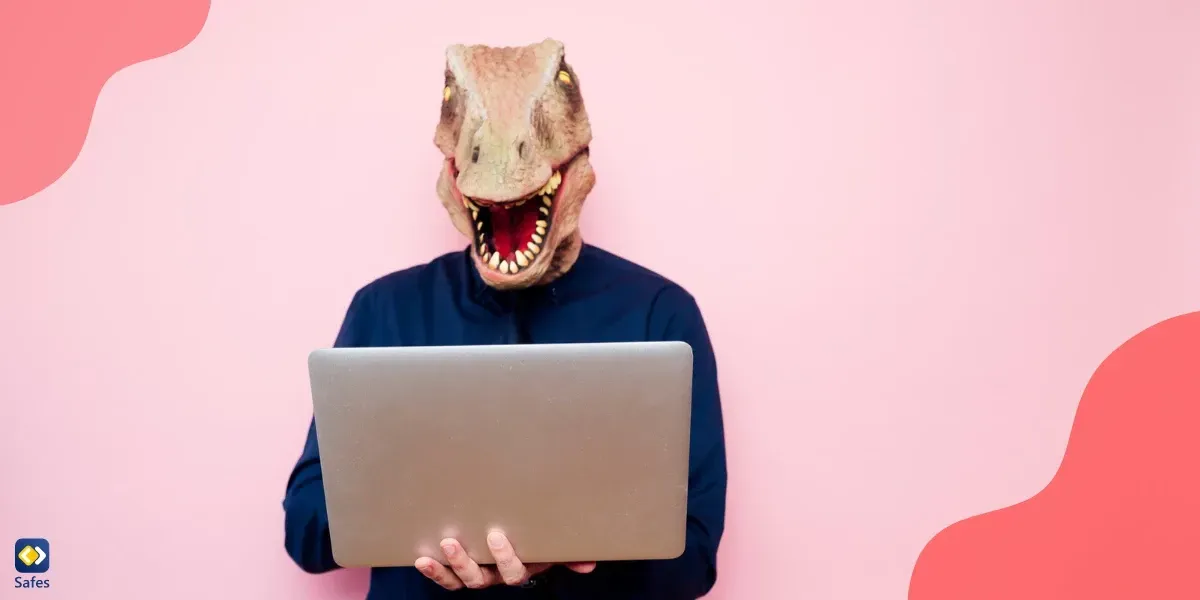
point(587, 567)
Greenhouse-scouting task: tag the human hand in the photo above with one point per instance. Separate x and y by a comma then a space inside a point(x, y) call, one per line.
point(464, 572)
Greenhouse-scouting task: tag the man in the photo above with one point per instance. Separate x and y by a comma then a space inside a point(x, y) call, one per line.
point(515, 138)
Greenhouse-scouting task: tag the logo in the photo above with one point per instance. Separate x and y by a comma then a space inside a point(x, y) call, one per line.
point(32, 555)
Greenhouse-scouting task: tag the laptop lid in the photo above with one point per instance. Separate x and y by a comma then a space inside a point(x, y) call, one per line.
point(578, 452)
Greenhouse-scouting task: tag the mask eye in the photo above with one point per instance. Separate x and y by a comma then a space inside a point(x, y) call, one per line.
point(564, 77)
point(446, 93)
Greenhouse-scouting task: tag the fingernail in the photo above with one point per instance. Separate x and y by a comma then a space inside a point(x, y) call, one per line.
point(449, 549)
point(424, 568)
point(496, 540)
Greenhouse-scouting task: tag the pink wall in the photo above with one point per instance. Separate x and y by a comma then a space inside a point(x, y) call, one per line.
point(914, 233)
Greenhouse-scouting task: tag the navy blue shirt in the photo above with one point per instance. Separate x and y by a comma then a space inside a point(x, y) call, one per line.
point(603, 298)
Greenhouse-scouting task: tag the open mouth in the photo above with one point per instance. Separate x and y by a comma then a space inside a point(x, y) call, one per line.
point(510, 235)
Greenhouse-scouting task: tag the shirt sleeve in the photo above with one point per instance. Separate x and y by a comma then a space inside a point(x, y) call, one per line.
point(306, 520)
point(676, 317)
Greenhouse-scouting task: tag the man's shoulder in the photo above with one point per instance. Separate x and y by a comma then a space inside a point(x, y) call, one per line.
point(404, 282)
point(664, 292)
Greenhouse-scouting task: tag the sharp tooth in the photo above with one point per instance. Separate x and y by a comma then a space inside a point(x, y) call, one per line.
point(474, 214)
point(485, 256)
point(546, 200)
point(556, 178)
point(541, 230)
point(521, 260)
point(521, 203)
point(494, 261)
point(540, 223)
point(534, 247)
point(527, 254)
point(483, 251)
point(537, 238)
point(479, 226)
point(504, 267)
point(544, 210)
point(481, 238)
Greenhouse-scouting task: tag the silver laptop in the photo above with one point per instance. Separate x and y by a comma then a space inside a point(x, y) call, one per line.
point(578, 452)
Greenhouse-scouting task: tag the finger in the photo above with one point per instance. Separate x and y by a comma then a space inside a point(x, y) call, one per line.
point(511, 570)
point(439, 573)
point(582, 567)
point(466, 569)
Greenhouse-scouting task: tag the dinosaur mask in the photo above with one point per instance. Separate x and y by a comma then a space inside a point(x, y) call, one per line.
point(515, 136)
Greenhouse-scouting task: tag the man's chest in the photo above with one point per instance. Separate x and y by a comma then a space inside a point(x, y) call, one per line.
point(422, 324)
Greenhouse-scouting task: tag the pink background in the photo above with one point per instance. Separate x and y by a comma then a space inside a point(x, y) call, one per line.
point(914, 231)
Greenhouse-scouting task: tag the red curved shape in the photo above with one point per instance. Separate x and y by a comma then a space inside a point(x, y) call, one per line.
point(55, 55)
point(1121, 517)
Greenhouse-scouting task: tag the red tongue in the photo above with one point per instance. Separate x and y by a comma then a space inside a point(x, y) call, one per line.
point(511, 228)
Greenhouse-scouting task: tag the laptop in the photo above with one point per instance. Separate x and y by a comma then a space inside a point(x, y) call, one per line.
point(577, 452)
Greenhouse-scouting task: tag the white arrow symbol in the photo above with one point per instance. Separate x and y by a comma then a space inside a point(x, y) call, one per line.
point(41, 555)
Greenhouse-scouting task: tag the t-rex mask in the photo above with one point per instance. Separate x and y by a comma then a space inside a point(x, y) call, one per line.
point(515, 136)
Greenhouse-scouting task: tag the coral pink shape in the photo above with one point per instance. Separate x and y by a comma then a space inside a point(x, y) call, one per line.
point(55, 55)
point(1121, 517)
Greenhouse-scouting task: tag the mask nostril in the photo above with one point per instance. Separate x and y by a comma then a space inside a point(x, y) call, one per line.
point(521, 150)
point(475, 154)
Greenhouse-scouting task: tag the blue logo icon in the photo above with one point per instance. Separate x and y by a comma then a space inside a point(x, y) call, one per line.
point(32, 555)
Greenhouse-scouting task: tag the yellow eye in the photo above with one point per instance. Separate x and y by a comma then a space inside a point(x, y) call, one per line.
point(446, 92)
point(564, 77)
